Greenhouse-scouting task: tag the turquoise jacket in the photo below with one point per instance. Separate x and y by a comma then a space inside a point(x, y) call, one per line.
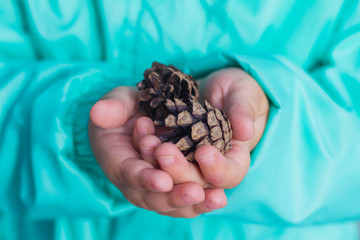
point(58, 57)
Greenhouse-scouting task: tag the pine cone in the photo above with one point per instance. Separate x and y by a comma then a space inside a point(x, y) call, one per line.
point(171, 99)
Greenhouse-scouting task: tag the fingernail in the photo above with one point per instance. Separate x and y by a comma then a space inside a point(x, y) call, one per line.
point(207, 158)
point(166, 160)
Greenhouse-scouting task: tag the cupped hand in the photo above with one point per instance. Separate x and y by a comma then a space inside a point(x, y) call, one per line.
point(116, 132)
point(247, 108)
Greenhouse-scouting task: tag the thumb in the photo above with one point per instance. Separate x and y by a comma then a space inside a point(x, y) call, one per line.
point(242, 118)
point(245, 104)
point(115, 108)
point(241, 98)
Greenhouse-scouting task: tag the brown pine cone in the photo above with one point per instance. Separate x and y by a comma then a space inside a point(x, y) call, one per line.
point(171, 99)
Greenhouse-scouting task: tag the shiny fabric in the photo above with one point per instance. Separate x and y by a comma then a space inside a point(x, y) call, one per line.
point(59, 57)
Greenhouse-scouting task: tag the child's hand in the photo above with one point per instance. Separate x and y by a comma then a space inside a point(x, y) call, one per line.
point(115, 139)
point(126, 147)
point(247, 107)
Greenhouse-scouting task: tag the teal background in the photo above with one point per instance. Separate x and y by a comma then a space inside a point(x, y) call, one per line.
point(58, 57)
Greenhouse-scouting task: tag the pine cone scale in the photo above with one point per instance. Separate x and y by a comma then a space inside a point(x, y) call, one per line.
point(215, 133)
point(184, 144)
point(199, 131)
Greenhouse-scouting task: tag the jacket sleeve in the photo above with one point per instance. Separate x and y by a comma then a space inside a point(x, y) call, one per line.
point(306, 167)
point(47, 167)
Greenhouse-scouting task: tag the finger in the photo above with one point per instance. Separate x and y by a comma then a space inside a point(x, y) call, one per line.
point(143, 126)
point(224, 171)
point(241, 116)
point(240, 105)
point(215, 198)
point(181, 196)
point(186, 194)
point(147, 146)
point(172, 161)
point(115, 108)
point(142, 176)
point(121, 163)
